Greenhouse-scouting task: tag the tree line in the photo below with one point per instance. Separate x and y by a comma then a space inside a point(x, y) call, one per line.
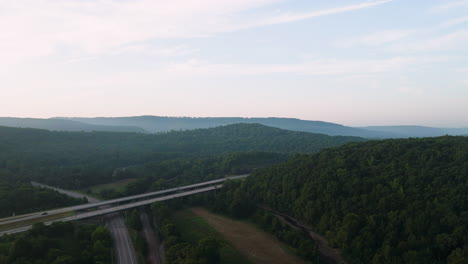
point(59, 243)
point(390, 201)
point(76, 160)
point(22, 198)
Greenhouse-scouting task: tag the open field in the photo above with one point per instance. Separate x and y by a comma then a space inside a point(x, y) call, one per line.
point(258, 246)
point(96, 189)
point(193, 228)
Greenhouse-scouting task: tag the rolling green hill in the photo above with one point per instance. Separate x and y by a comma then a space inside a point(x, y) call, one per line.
point(160, 124)
point(390, 201)
point(79, 159)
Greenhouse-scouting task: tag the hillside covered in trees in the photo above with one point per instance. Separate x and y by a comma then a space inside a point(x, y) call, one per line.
point(391, 201)
point(164, 123)
point(21, 198)
point(59, 243)
point(80, 159)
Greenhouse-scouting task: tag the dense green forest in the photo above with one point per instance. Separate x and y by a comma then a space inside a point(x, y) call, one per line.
point(21, 198)
point(159, 175)
point(391, 201)
point(178, 250)
point(59, 243)
point(79, 159)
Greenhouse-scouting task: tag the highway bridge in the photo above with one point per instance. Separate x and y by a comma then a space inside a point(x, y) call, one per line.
point(24, 222)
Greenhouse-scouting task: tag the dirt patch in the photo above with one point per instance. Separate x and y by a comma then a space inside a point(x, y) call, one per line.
point(258, 246)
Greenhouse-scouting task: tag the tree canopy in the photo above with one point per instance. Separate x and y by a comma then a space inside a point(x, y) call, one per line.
point(391, 201)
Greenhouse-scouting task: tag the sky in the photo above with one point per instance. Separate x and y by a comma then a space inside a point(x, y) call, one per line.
point(353, 62)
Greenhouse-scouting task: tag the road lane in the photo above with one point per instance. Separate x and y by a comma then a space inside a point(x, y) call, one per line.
point(66, 192)
point(110, 224)
point(115, 224)
point(118, 200)
point(122, 241)
point(154, 256)
point(108, 210)
point(129, 250)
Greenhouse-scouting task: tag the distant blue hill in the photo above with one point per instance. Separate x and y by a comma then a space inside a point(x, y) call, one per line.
point(161, 124)
point(63, 125)
point(153, 124)
point(417, 131)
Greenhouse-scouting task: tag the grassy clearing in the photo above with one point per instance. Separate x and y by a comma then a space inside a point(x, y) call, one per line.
point(29, 222)
point(116, 186)
point(193, 228)
point(256, 245)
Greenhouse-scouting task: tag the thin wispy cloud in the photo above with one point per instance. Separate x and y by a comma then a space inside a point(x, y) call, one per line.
point(452, 41)
point(295, 16)
point(40, 28)
point(315, 67)
point(158, 56)
point(411, 40)
point(376, 39)
point(449, 5)
point(453, 22)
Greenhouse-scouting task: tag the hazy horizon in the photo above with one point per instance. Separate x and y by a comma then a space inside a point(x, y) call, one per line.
point(356, 63)
point(350, 125)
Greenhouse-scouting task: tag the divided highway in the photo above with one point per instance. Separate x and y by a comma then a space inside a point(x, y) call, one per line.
point(113, 201)
point(124, 251)
point(177, 192)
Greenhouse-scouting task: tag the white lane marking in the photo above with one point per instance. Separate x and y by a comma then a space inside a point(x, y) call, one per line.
point(114, 231)
point(126, 235)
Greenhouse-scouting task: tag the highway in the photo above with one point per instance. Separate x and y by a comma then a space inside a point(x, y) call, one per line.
point(124, 207)
point(125, 253)
point(151, 238)
point(109, 202)
point(123, 246)
point(66, 192)
point(114, 221)
point(113, 201)
point(113, 209)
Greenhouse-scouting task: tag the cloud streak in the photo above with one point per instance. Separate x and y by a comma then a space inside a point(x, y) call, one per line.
point(32, 28)
point(449, 5)
point(293, 17)
point(451, 41)
point(377, 38)
point(313, 68)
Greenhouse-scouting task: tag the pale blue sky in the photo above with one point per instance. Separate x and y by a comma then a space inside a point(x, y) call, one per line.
point(353, 62)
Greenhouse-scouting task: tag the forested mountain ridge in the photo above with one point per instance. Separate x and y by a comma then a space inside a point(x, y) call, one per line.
point(418, 131)
point(63, 125)
point(155, 124)
point(79, 159)
point(390, 201)
point(161, 124)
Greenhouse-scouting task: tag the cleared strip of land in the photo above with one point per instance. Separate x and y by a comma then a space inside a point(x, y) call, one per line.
point(193, 228)
point(259, 247)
